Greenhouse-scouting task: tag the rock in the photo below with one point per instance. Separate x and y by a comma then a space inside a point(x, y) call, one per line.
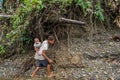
point(110, 78)
point(118, 79)
point(84, 78)
point(116, 37)
point(111, 43)
point(93, 79)
point(105, 72)
point(75, 59)
point(57, 76)
point(96, 77)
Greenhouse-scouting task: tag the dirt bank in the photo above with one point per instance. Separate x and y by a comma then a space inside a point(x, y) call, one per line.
point(98, 59)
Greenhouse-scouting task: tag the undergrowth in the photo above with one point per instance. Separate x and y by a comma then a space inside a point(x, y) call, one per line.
point(28, 9)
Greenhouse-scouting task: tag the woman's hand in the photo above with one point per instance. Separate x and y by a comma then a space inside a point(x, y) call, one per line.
point(50, 61)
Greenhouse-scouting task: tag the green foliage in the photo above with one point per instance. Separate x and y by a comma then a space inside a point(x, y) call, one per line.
point(85, 5)
point(2, 50)
point(26, 38)
point(24, 11)
point(99, 12)
point(22, 17)
point(66, 2)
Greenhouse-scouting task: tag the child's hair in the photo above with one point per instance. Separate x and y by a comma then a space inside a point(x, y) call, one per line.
point(36, 39)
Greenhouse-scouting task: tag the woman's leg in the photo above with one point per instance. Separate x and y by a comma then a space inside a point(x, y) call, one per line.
point(48, 69)
point(35, 72)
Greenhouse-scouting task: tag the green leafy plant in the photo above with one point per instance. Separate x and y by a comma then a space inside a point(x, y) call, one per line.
point(2, 49)
point(99, 12)
point(22, 17)
point(85, 5)
point(26, 38)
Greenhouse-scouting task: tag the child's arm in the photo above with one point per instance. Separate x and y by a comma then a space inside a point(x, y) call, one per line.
point(45, 56)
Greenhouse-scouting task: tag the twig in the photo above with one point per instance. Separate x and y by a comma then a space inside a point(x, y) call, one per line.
point(7, 16)
point(56, 36)
point(1, 35)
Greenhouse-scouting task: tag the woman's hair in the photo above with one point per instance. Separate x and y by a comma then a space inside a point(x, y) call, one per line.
point(51, 38)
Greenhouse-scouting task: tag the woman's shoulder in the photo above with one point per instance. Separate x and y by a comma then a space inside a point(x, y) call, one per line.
point(45, 42)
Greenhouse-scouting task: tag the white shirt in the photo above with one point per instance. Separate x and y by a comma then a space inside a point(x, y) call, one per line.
point(44, 46)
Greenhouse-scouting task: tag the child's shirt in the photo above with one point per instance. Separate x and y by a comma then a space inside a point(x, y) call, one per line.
point(44, 46)
point(39, 56)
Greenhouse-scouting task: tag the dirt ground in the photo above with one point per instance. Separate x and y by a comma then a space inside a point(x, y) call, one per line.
point(80, 59)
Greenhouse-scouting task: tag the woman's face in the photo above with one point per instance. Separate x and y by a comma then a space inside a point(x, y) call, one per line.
point(51, 41)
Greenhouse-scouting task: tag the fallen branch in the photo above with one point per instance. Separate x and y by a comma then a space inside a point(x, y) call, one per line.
point(70, 21)
point(7, 16)
point(54, 17)
point(1, 35)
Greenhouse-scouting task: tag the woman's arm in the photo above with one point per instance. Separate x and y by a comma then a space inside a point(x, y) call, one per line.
point(45, 56)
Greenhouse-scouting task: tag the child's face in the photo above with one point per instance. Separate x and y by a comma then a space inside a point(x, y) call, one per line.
point(36, 40)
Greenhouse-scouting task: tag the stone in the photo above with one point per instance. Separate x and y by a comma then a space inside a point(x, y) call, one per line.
point(110, 78)
point(75, 59)
point(111, 43)
point(83, 78)
point(93, 79)
point(97, 77)
point(118, 79)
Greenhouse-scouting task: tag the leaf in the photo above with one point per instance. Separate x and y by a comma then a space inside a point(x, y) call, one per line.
point(99, 12)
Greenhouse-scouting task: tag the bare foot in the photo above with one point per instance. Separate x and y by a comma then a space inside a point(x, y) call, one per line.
point(34, 76)
point(51, 75)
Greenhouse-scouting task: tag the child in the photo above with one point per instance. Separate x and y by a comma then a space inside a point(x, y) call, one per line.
point(41, 59)
point(36, 41)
